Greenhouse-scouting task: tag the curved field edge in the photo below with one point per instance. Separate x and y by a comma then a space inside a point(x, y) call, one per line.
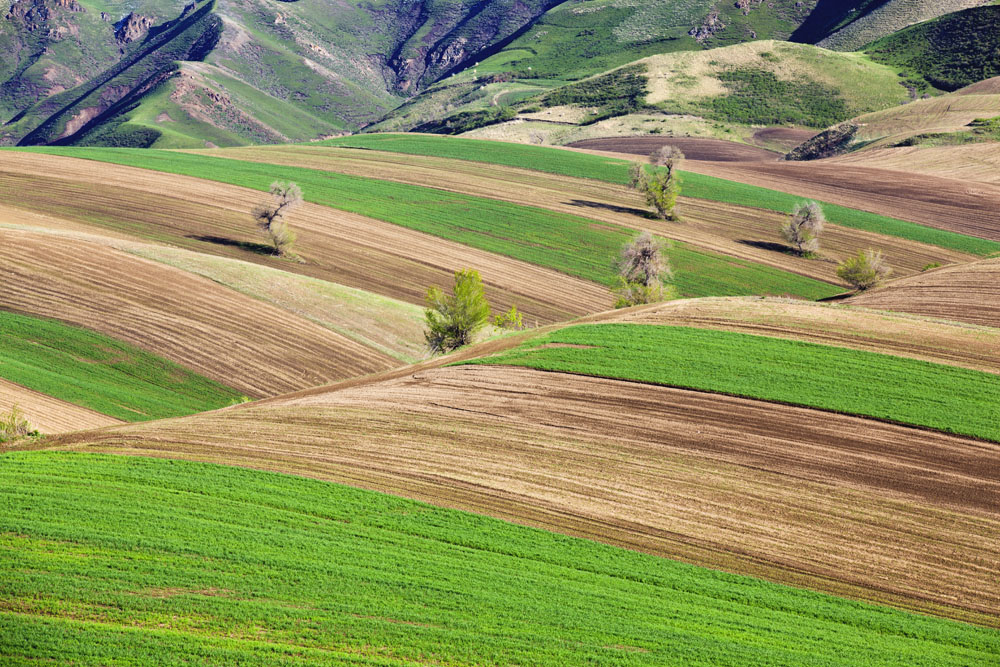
point(696, 186)
point(848, 381)
point(573, 245)
point(100, 373)
point(113, 556)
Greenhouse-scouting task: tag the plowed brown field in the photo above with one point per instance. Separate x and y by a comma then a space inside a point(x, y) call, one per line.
point(929, 200)
point(967, 293)
point(977, 163)
point(242, 342)
point(49, 415)
point(714, 150)
point(737, 231)
point(837, 503)
point(889, 333)
point(340, 247)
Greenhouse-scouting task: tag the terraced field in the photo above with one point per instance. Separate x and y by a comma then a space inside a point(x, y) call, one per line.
point(118, 559)
point(966, 293)
point(787, 493)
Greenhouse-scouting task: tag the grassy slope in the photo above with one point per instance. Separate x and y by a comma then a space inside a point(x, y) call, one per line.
point(576, 246)
point(857, 382)
point(100, 373)
point(582, 165)
point(886, 17)
point(131, 559)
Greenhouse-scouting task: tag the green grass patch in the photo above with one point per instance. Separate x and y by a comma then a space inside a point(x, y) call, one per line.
point(101, 373)
point(697, 186)
point(758, 97)
point(123, 560)
point(856, 382)
point(574, 245)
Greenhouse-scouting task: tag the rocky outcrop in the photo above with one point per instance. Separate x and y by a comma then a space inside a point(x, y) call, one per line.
point(131, 28)
point(830, 142)
point(711, 25)
point(34, 15)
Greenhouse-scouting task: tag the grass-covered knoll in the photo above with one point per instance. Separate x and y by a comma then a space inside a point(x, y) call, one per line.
point(100, 373)
point(583, 165)
point(574, 245)
point(947, 53)
point(120, 559)
point(858, 382)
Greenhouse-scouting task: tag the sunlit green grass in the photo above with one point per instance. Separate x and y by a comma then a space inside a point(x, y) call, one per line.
point(774, 369)
point(122, 560)
point(97, 372)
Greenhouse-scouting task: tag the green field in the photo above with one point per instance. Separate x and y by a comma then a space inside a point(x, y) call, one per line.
point(101, 373)
point(574, 245)
point(857, 382)
point(124, 560)
point(583, 165)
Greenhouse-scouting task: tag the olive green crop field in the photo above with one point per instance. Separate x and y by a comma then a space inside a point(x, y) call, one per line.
point(101, 373)
point(896, 389)
point(574, 245)
point(696, 186)
point(128, 560)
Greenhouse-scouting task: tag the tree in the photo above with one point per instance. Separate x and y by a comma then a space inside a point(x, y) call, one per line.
point(864, 270)
point(452, 320)
point(642, 271)
point(802, 230)
point(271, 218)
point(662, 184)
point(14, 424)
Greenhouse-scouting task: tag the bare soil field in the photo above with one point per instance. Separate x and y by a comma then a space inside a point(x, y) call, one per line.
point(737, 231)
point(340, 247)
point(967, 293)
point(946, 113)
point(713, 150)
point(929, 200)
point(234, 339)
point(50, 415)
point(898, 334)
point(785, 138)
point(975, 163)
point(836, 503)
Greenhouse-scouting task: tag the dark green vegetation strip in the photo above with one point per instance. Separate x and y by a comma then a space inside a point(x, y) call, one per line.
point(583, 165)
point(576, 246)
point(111, 559)
point(757, 97)
point(898, 389)
point(101, 373)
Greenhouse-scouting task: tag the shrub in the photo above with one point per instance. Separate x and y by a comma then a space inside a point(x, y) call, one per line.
point(864, 270)
point(271, 218)
point(509, 320)
point(642, 272)
point(452, 320)
point(662, 184)
point(802, 230)
point(14, 424)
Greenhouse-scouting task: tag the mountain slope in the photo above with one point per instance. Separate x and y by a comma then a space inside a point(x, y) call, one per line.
point(879, 19)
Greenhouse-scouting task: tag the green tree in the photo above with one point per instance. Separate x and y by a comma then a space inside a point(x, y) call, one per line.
point(643, 272)
point(865, 270)
point(271, 217)
point(453, 320)
point(662, 184)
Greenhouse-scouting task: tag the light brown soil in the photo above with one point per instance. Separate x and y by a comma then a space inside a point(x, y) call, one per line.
point(340, 247)
point(836, 503)
point(242, 342)
point(971, 163)
point(747, 233)
point(929, 200)
point(716, 150)
point(49, 415)
point(843, 326)
point(968, 293)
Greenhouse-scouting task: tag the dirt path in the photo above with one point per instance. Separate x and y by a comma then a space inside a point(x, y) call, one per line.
point(929, 200)
point(716, 150)
point(340, 247)
point(836, 503)
point(746, 233)
point(968, 293)
point(50, 415)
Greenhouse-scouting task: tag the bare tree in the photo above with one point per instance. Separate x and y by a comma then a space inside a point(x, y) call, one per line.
point(643, 270)
point(802, 230)
point(661, 185)
point(865, 270)
point(271, 218)
point(666, 156)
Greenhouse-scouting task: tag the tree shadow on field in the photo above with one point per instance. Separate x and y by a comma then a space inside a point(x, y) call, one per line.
point(259, 248)
point(627, 210)
point(768, 245)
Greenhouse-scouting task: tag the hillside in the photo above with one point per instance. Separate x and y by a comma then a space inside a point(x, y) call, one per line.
point(880, 18)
